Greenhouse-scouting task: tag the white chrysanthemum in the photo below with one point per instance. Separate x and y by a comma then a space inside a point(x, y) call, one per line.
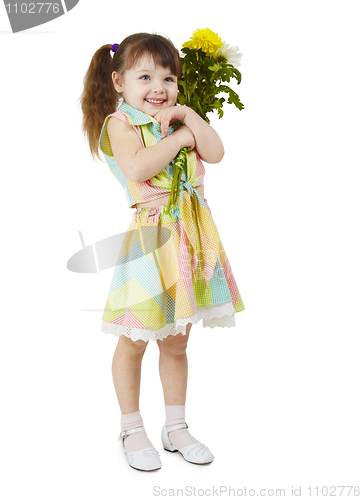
point(231, 54)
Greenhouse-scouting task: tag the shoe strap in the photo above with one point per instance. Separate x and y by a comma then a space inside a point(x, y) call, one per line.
point(124, 434)
point(175, 427)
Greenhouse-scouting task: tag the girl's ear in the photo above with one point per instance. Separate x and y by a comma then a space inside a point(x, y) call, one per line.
point(117, 81)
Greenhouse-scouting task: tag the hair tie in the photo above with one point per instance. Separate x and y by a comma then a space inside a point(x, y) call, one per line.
point(114, 47)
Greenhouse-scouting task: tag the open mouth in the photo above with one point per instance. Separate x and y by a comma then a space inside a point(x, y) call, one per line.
point(155, 101)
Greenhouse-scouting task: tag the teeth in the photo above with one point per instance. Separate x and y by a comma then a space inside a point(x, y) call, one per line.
point(155, 101)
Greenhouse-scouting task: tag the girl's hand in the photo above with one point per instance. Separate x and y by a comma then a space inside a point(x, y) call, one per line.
point(185, 136)
point(205, 138)
point(170, 115)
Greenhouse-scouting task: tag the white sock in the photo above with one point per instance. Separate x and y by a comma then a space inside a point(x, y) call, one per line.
point(138, 440)
point(175, 414)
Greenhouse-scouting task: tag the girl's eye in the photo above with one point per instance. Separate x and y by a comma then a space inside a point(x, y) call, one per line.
point(169, 79)
point(144, 77)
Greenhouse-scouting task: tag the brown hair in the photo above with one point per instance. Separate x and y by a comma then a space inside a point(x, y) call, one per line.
point(99, 97)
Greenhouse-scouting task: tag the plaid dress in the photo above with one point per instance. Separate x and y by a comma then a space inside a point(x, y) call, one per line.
point(172, 268)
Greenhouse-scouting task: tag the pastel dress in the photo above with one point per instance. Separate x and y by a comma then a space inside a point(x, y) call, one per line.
point(172, 268)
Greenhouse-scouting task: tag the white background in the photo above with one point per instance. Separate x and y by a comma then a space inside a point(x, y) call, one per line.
point(278, 398)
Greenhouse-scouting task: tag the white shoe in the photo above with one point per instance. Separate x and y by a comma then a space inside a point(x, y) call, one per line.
point(147, 459)
point(195, 453)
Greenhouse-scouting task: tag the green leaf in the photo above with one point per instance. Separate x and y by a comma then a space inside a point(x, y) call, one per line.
point(237, 74)
point(233, 96)
point(215, 67)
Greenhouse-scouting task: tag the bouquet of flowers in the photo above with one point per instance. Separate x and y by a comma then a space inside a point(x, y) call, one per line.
point(207, 63)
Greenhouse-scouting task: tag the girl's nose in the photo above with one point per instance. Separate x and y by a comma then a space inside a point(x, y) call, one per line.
point(158, 88)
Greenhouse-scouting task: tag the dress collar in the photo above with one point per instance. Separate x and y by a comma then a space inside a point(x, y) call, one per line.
point(137, 117)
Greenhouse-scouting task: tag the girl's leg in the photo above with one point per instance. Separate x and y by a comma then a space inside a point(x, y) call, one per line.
point(126, 372)
point(173, 367)
point(173, 372)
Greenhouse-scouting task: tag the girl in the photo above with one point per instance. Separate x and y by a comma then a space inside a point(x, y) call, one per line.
point(172, 270)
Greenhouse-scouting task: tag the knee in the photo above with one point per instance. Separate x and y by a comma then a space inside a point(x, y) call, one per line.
point(175, 345)
point(131, 348)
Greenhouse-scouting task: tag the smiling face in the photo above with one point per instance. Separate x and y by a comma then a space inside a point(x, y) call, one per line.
point(146, 86)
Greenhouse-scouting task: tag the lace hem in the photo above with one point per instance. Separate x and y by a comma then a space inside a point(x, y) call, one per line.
point(212, 316)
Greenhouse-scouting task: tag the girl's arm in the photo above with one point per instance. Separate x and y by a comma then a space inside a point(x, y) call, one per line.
point(138, 163)
point(208, 142)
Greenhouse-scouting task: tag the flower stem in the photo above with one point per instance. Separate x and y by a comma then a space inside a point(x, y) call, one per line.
point(176, 181)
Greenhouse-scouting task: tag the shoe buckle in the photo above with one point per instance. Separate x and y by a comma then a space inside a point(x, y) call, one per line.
point(122, 436)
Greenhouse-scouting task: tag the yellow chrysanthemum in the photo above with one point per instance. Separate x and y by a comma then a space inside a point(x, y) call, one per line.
point(206, 40)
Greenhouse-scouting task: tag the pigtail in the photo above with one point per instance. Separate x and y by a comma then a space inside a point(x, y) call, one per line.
point(99, 97)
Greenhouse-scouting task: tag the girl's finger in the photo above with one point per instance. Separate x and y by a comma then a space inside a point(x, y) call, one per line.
point(164, 128)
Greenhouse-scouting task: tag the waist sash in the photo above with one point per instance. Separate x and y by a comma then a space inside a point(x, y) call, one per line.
point(200, 229)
